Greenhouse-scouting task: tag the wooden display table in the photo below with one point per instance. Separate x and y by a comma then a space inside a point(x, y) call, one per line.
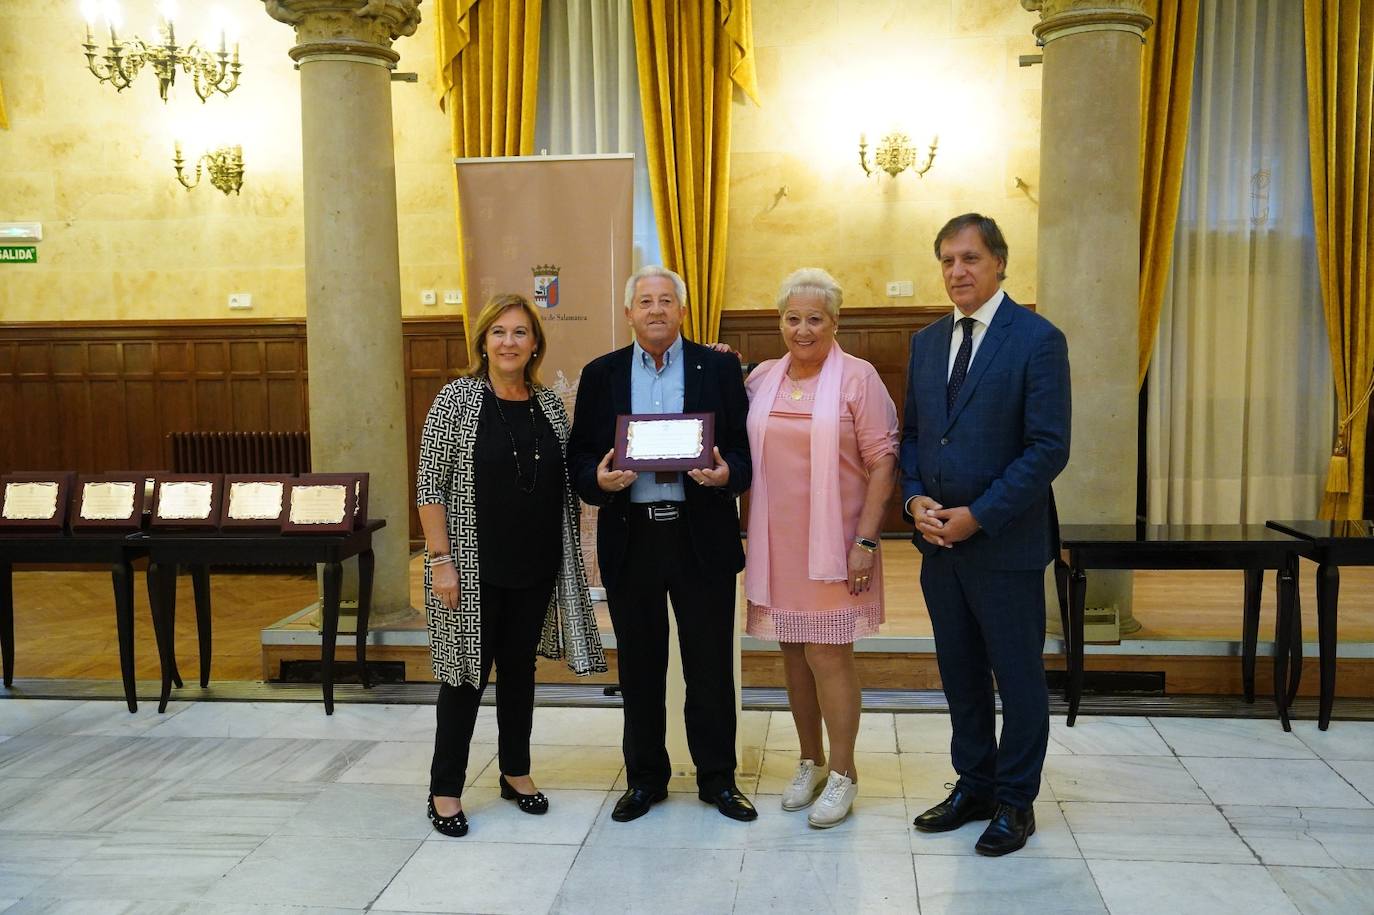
point(1334, 544)
point(1251, 548)
point(116, 550)
point(198, 551)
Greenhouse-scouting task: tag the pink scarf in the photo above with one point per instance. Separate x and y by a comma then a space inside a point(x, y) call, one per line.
point(827, 552)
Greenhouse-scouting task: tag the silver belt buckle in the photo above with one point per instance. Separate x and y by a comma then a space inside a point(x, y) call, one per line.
point(663, 511)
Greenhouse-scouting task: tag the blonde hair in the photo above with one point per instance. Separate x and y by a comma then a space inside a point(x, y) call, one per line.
point(496, 306)
point(813, 281)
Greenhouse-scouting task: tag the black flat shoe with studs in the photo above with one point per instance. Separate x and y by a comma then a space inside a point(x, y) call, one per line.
point(455, 826)
point(530, 803)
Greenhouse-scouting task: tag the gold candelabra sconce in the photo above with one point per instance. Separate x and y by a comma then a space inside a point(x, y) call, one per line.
point(224, 164)
point(122, 59)
point(896, 153)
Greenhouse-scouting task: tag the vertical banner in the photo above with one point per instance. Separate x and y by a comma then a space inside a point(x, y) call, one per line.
point(559, 231)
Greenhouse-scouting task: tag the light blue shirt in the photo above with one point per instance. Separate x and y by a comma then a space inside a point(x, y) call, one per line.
point(656, 390)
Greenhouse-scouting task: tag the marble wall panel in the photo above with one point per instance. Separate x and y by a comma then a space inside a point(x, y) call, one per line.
point(122, 239)
point(830, 70)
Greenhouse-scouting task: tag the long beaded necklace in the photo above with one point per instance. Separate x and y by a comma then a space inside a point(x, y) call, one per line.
point(514, 451)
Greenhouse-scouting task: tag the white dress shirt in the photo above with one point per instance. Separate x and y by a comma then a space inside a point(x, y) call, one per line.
point(982, 320)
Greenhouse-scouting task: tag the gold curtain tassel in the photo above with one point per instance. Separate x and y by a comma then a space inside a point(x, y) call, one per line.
point(1338, 474)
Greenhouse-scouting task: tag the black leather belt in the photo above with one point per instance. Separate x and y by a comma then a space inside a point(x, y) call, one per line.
point(659, 511)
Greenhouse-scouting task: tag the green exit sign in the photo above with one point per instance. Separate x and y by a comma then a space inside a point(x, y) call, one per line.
point(19, 254)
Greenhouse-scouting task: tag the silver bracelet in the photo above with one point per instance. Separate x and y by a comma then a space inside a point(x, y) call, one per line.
point(446, 559)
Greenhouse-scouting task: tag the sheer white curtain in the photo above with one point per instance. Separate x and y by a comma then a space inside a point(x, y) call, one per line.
point(589, 96)
point(1240, 390)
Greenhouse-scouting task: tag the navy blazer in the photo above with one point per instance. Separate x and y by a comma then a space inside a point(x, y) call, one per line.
point(712, 383)
point(1001, 444)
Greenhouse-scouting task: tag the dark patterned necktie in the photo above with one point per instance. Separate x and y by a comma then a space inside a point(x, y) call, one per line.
point(961, 361)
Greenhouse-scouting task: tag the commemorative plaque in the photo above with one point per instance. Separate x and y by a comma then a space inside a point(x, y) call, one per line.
point(664, 442)
point(34, 501)
point(253, 501)
point(190, 501)
point(324, 503)
point(149, 484)
point(108, 502)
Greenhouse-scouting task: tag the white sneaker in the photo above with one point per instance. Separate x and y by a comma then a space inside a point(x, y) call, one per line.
point(806, 784)
point(835, 802)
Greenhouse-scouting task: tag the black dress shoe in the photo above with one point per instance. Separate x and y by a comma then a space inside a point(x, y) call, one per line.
point(456, 825)
point(959, 808)
point(529, 803)
point(636, 802)
point(731, 802)
point(1008, 831)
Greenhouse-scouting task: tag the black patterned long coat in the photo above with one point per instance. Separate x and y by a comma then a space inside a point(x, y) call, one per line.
point(447, 475)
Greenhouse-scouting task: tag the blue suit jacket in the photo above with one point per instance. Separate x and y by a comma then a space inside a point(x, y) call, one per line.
point(1002, 443)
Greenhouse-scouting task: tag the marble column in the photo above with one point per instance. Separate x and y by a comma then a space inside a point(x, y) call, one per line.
point(352, 262)
point(1089, 258)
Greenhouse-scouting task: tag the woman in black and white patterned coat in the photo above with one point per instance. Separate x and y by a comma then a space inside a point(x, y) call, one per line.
point(504, 577)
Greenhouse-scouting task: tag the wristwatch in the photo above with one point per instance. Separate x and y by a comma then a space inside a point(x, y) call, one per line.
point(870, 545)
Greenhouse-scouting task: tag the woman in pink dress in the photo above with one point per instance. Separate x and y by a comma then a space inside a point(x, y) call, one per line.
point(823, 433)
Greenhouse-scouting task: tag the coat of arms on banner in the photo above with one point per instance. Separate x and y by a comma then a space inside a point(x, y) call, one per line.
point(546, 286)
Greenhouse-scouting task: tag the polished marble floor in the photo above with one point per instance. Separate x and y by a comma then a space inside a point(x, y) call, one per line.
point(274, 808)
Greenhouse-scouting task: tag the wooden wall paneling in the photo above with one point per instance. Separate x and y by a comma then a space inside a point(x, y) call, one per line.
point(73, 419)
point(248, 397)
point(107, 424)
point(145, 449)
point(435, 352)
point(116, 389)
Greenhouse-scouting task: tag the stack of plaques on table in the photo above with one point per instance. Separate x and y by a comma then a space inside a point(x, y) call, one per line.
point(130, 501)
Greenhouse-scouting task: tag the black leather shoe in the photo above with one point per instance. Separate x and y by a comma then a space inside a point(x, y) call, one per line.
point(954, 811)
point(636, 802)
point(1008, 831)
point(456, 825)
point(529, 803)
point(731, 802)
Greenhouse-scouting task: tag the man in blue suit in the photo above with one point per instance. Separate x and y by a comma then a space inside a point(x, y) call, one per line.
point(986, 430)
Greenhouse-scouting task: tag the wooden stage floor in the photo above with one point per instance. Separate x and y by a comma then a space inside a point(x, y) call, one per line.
point(64, 621)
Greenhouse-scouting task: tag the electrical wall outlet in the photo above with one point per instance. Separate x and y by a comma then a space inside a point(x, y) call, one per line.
point(427, 297)
point(453, 297)
point(899, 288)
point(240, 300)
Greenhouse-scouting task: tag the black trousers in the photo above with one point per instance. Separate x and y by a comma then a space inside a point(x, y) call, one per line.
point(991, 623)
point(660, 563)
point(512, 619)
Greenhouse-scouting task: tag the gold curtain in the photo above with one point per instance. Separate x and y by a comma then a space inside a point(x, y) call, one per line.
point(488, 58)
point(1339, 36)
point(1166, 87)
point(691, 56)
point(4, 119)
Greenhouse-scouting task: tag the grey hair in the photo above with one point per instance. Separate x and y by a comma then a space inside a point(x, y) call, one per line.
point(654, 270)
point(812, 280)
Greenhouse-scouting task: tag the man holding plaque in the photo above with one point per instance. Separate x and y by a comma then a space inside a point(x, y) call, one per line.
point(669, 529)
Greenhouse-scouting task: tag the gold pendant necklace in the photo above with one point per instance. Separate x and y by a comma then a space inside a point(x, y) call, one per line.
point(796, 393)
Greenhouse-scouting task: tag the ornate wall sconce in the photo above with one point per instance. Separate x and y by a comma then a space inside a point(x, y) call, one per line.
point(895, 154)
point(124, 58)
point(224, 164)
